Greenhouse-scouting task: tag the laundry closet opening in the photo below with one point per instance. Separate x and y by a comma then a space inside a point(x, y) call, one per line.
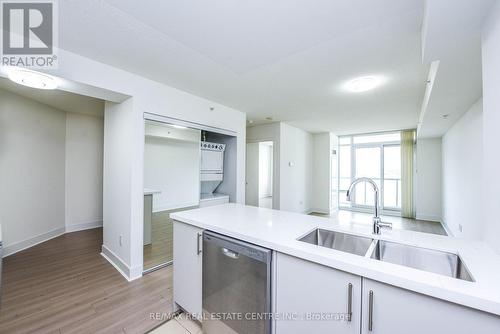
point(186, 166)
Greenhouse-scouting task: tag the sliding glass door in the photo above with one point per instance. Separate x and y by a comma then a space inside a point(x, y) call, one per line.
point(367, 163)
point(377, 157)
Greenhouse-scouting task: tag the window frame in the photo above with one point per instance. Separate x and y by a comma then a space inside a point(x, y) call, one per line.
point(381, 145)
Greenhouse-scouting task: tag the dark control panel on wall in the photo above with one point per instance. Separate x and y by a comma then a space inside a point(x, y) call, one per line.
point(212, 146)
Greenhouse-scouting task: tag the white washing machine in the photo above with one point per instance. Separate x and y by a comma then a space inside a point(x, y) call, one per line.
point(212, 174)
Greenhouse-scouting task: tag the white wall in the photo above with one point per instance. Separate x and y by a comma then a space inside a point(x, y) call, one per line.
point(428, 181)
point(462, 157)
point(269, 132)
point(292, 185)
point(265, 169)
point(296, 169)
point(321, 194)
point(491, 122)
point(32, 137)
point(334, 146)
point(173, 167)
point(117, 185)
point(124, 149)
point(84, 154)
point(50, 171)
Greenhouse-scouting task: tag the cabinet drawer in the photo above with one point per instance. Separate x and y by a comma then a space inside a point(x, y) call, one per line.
point(315, 299)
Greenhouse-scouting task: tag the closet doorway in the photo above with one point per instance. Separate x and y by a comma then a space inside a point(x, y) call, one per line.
point(171, 184)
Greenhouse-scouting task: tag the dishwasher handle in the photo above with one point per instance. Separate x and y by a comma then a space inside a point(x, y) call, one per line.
point(236, 248)
point(230, 253)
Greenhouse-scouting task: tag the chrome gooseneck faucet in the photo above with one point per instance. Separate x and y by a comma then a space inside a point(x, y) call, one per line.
point(377, 222)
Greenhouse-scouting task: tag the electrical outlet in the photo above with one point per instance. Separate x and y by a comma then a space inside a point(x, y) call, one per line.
point(120, 240)
point(460, 228)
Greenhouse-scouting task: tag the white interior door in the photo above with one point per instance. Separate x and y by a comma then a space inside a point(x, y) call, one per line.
point(252, 175)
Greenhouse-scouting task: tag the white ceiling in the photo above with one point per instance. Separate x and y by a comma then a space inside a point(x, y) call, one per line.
point(284, 59)
point(58, 99)
point(452, 35)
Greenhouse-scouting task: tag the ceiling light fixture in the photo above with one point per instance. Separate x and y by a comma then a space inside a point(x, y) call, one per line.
point(32, 79)
point(363, 84)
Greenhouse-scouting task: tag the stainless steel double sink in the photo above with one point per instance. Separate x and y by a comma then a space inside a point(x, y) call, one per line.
point(434, 261)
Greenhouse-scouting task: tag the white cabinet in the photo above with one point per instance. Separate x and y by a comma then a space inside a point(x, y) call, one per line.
point(188, 267)
point(396, 310)
point(306, 291)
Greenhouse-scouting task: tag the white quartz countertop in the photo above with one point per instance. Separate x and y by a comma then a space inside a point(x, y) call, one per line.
point(149, 191)
point(279, 230)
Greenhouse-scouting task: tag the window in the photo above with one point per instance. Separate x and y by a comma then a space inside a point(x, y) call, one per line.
point(376, 156)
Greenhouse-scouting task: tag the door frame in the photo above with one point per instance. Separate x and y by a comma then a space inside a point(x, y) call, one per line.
point(151, 117)
point(276, 165)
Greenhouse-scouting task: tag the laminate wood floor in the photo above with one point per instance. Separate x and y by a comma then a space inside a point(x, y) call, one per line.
point(64, 286)
point(161, 248)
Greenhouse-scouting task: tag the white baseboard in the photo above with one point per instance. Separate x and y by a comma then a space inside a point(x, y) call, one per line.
point(28, 243)
point(322, 211)
point(130, 274)
point(83, 226)
point(22, 245)
point(116, 262)
point(447, 229)
point(136, 272)
point(431, 218)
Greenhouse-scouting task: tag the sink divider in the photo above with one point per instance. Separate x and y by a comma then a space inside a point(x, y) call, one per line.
point(371, 249)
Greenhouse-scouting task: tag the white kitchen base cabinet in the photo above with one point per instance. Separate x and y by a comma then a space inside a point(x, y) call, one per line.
point(188, 267)
point(306, 291)
point(396, 310)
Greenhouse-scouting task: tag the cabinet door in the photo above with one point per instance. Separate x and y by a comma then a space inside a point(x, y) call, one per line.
point(187, 267)
point(396, 310)
point(315, 298)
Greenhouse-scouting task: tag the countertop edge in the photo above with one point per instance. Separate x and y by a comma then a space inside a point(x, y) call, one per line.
point(455, 297)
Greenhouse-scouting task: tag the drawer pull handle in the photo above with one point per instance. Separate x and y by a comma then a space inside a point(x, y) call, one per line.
point(349, 302)
point(370, 311)
point(198, 242)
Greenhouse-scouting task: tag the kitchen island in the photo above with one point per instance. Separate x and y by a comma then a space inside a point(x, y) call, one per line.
point(436, 303)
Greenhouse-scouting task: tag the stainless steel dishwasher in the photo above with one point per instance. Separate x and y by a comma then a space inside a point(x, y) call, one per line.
point(236, 286)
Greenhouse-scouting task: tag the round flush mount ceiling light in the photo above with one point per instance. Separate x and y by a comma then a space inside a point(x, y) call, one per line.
point(32, 79)
point(363, 84)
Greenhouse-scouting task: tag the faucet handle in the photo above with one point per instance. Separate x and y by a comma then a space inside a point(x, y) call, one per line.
point(384, 224)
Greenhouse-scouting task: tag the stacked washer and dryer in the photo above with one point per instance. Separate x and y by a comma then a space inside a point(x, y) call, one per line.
point(212, 174)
